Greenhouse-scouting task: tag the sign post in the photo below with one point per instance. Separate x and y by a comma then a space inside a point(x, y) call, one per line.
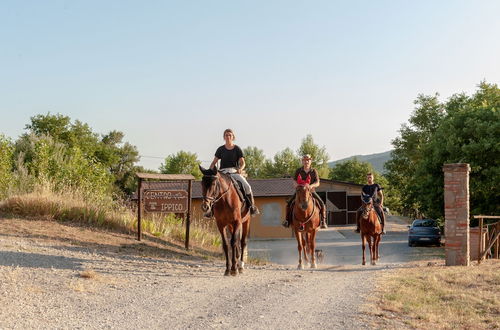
point(164, 193)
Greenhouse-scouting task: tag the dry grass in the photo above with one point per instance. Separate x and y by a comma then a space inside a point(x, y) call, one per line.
point(88, 274)
point(44, 203)
point(440, 297)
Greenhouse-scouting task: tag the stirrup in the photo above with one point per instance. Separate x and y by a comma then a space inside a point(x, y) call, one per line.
point(323, 225)
point(285, 224)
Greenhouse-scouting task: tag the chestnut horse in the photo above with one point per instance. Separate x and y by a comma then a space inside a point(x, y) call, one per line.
point(305, 223)
point(231, 215)
point(370, 227)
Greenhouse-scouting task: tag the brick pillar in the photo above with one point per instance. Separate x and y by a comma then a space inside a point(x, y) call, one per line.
point(456, 213)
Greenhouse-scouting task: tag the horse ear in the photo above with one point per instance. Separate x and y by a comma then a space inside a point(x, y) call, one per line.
point(299, 180)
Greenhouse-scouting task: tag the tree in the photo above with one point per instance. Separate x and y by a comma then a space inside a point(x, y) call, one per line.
point(319, 155)
point(463, 129)
point(182, 163)
point(352, 170)
point(284, 164)
point(408, 151)
point(118, 157)
point(6, 163)
point(254, 160)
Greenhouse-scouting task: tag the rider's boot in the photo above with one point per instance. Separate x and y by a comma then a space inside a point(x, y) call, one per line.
point(382, 222)
point(286, 222)
point(323, 218)
point(253, 209)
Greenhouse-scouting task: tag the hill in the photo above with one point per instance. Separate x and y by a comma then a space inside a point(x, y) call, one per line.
point(377, 160)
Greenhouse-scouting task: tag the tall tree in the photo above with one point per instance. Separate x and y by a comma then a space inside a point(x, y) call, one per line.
point(283, 164)
point(352, 170)
point(463, 129)
point(182, 162)
point(319, 155)
point(254, 160)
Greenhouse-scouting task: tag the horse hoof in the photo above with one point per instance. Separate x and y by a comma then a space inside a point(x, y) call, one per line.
point(300, 266)
point(314, 265)
point(374, 263)
point(234, 272)
point(363, 263)
point(226, 273)
point(240, 270)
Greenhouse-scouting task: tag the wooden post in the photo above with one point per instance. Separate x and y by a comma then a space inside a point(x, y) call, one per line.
point(497, 254)
point(480, 241)
point(188, 217)
point(139, 209)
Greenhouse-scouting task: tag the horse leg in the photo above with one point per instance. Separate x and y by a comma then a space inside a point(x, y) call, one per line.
point(225, 246)
point(363, 246)
point(377, 242)
point(371, 245)
point(235, 247)
point(244, 236)
point(312, 245)
point(298, 237)
point(305, 247)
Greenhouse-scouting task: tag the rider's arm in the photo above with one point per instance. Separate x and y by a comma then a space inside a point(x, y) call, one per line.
point(241, 164)
point(214, 162)
point(316, 183)
point(381, 195)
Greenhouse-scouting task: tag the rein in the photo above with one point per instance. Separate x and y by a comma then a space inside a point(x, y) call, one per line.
point(214, 200)
point(366, 211)
point(302, 223)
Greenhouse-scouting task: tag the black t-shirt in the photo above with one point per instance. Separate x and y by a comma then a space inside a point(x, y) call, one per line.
point(229, 158)
point(372, 190)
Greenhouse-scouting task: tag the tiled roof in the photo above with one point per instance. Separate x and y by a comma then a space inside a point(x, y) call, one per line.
point(277, 187)
point(260, 187)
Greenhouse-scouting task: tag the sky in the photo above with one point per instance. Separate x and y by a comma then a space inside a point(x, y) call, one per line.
point(172, 75)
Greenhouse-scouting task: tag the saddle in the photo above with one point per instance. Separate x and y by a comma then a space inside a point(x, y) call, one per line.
point(239, 188)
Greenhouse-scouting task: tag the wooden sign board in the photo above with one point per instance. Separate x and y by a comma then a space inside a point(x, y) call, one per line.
point(166, 201)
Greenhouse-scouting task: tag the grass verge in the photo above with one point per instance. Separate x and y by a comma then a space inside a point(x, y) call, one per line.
point(44, 203)
point(440, 297)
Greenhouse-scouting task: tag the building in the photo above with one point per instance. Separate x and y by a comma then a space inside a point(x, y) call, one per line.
point(342, 200)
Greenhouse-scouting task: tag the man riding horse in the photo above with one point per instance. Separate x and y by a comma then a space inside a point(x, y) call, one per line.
point(373, 190)
point(232, 162)
point(309, 175)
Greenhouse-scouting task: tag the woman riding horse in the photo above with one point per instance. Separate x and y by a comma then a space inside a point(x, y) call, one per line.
point(306, 173)
point(232, 162)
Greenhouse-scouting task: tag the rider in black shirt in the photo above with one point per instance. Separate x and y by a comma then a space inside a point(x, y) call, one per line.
point(232, 162)
point(374, 190)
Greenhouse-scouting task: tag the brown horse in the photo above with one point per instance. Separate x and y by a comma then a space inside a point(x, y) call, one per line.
point(231, 215)
point(370, 227)
point(305, 223)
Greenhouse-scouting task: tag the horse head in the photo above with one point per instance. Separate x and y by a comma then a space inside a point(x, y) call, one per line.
point(210, 187)
point(302, 196)
point(367, 201)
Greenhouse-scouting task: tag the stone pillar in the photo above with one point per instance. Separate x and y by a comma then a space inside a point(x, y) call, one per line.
point(456, 213)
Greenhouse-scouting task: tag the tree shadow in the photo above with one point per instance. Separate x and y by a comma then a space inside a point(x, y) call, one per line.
point(37, 260)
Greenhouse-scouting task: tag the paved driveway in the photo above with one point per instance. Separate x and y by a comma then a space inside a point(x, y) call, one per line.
point(341, 246)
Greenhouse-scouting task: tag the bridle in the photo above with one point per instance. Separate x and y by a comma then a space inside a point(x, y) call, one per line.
point(367, 209)
point(302, 223)
point(210, 200)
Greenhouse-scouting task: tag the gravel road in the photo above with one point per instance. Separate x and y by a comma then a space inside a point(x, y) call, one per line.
point(49, 282)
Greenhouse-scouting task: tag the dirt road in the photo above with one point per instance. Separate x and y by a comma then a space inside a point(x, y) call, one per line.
point(57, 276)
